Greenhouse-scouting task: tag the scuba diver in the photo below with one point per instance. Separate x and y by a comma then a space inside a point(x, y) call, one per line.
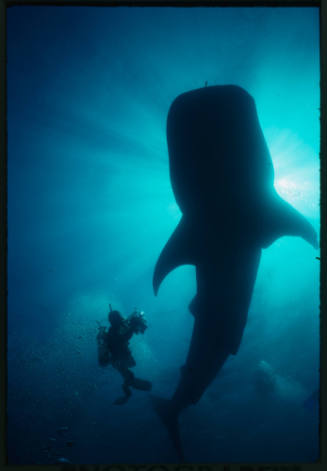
point(113, 348)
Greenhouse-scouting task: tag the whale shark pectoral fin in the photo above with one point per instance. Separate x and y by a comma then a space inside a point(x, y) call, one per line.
point(179, 250)
point(287, 221)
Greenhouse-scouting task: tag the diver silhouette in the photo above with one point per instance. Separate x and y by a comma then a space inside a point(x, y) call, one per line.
point(113, 348)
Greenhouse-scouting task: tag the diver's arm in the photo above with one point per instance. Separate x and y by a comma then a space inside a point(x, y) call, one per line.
point(102, 334)
point(136, 322)
point(128, 331)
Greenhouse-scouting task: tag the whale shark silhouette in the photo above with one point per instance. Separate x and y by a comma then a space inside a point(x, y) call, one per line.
point(222, 178)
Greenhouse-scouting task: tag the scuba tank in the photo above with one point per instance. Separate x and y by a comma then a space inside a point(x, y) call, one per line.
point(104, 356)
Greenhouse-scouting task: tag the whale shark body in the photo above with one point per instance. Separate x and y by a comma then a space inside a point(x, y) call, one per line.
point(222, 178)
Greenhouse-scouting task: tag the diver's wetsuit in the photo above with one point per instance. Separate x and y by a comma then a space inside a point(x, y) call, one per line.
point(116, 342)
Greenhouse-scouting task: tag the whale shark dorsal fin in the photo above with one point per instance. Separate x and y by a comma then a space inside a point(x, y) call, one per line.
point(179, 250)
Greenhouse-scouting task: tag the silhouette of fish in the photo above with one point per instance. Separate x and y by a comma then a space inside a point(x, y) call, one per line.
point(222, 177)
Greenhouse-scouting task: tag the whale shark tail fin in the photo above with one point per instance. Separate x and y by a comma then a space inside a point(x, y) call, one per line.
point(169, 418)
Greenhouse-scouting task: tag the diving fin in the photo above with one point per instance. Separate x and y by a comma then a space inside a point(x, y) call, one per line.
point(169, 418)
point(141, 384)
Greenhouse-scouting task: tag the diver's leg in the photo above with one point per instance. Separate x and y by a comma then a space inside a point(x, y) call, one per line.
point(122, 400)
point(128, 378)
point(134, 382)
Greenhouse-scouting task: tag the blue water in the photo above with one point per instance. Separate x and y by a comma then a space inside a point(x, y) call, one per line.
point(90, 207)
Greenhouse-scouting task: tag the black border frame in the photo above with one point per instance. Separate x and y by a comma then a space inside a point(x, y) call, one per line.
point(321, 464)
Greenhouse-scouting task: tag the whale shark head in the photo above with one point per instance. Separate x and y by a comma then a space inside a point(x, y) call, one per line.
point(217, 151)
